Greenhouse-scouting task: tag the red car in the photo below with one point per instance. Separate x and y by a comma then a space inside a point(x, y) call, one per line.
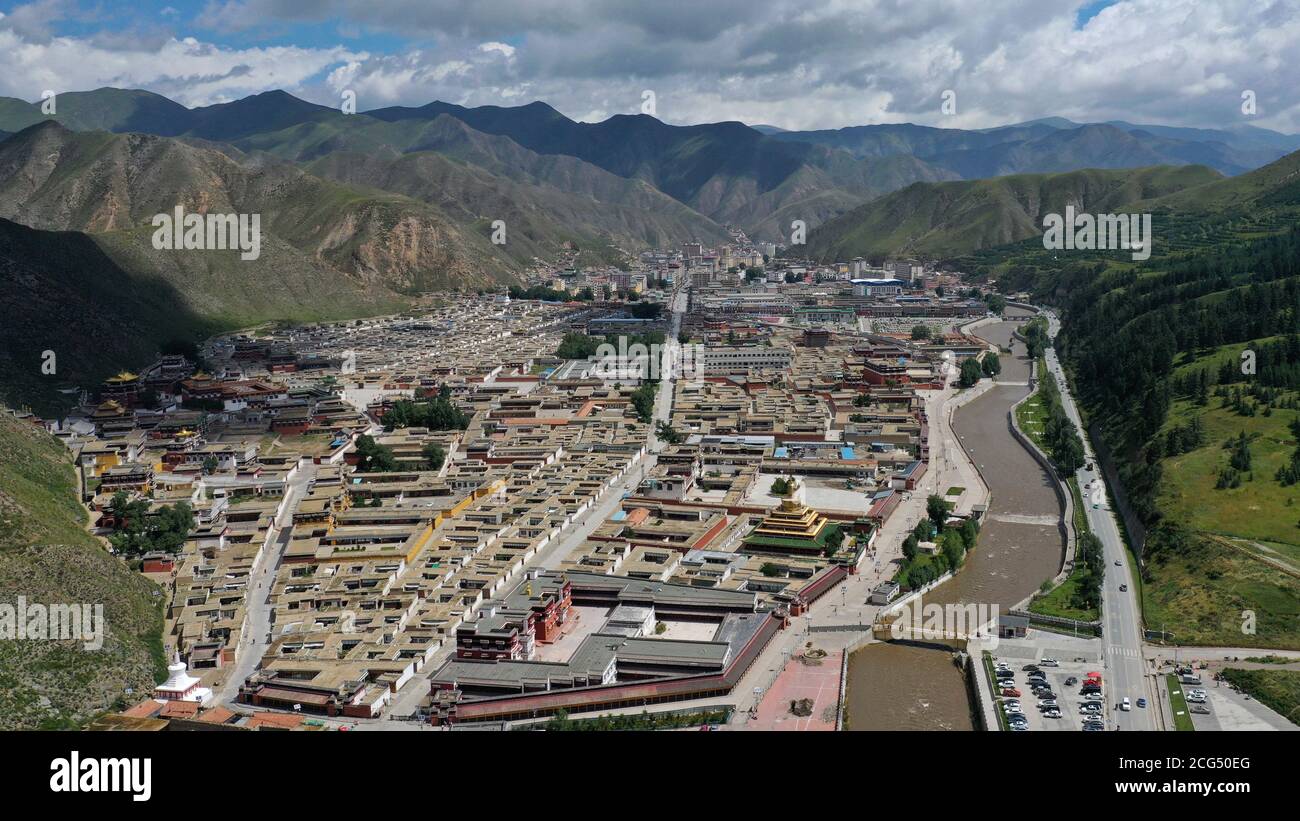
point(1010, 691)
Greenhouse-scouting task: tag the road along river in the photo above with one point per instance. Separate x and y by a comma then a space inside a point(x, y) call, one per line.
point(902, 687)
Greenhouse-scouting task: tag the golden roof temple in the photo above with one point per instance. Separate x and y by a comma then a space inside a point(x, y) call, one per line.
point(791, 527)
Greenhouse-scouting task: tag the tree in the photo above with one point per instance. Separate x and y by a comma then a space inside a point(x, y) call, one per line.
point(937, 510)
point(577, 346)
point(991, 366)
point(643, 401)
point(434, 455)
point(209, 465)
point(668, 433)
point(768, 569)
point(920, 332)
point(136, 530)
point(953, 549)
point(833, 539)
point(909, 547)
point(374, 457)
point(970, 373)
point(439, 413)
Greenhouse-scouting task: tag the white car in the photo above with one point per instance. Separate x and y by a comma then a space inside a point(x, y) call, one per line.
point(1125, 705)
point(1049, 662)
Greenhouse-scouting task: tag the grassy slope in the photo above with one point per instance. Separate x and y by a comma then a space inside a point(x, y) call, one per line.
point(1276, 689)
point(1200, 596)
point(952, 218)
point(47, 556)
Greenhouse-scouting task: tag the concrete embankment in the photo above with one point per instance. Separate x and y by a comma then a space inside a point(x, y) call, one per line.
point(894, 686)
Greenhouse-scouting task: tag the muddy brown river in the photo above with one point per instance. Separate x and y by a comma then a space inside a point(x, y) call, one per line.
point(900, 687)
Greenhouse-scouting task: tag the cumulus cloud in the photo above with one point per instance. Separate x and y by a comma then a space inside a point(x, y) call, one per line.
point(792, 63)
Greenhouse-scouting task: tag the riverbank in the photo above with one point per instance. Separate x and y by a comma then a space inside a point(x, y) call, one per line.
point(905, 687)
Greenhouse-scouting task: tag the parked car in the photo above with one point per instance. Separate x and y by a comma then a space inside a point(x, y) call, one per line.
point(1049, 662)
point(1010, 691)
point(1054, 713)
point(1071, 681)
point(1029, 668)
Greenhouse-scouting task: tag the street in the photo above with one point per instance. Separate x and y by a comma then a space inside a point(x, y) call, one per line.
point(1125, 668)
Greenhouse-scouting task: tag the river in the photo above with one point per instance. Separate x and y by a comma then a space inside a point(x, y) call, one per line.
point(899, 687)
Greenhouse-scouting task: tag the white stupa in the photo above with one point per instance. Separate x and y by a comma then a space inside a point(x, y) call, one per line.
point(181, 686)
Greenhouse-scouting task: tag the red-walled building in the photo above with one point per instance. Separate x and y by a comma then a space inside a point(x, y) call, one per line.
point(510, 627)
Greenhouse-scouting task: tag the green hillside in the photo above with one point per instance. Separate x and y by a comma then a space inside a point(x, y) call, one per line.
point(48, 557)
point(1206, 448)
point(950, 219)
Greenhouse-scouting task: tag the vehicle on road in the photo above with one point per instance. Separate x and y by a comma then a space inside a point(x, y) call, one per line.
point(1142, 702)
point(1123, 588)
point(1118, 563)
point(1071, 681)
point(1049, 662)
point(1029, 668)
point(1125, 705)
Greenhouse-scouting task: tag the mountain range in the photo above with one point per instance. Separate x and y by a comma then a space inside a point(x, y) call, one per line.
point(360, 211)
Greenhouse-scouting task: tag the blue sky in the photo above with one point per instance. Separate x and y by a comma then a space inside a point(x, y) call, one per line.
point(792, 63)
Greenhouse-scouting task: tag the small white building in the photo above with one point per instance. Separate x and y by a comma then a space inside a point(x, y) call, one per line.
point(181, 686)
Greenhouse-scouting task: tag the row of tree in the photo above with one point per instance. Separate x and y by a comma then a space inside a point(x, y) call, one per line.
point(373, 457)
point(439, 413)
point(953, 544)
point(137, 530)
point(1060, 435)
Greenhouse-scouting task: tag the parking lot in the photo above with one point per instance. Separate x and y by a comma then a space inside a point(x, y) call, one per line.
point(1231, 710)
point(1075, 658)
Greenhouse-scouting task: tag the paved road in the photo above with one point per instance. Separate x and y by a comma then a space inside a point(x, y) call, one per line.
point(257, 599)
point(1126, 667)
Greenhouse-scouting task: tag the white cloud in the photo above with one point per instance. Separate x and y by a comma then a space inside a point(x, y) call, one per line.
point(792, 63)
point(503, 48)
